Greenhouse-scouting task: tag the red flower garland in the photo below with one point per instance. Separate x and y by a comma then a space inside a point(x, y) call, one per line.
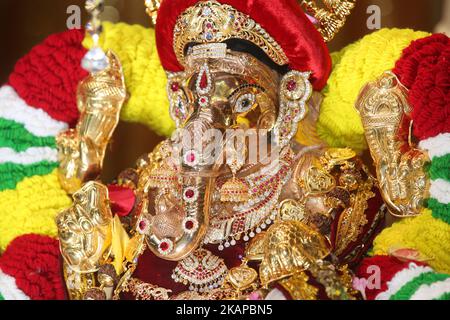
point(424, 68)
point(48, 76)
point(34, 261)
point(388, 267)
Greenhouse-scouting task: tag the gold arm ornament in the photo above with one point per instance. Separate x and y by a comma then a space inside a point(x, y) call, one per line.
point(383, 107)
point(81, 150)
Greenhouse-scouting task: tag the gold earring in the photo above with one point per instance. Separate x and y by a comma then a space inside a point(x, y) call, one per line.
point(235, 189)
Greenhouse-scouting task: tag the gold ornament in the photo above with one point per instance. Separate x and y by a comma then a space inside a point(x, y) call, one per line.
point(290, 246)
point(202, 270)
point(152, 9)
point(146, 291)
point(383, 107)
point(294, 91)
point(331, 18)
point(210, 21)
point(235, 189)
point(255, 248)
point(81, 151)
point(298, 287)
point(242, 277)
point(85, 229)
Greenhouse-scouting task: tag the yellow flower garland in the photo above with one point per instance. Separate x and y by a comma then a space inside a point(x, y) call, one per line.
point(144, 76)
point(31, 207)
point(429, 236)
point(355, 65)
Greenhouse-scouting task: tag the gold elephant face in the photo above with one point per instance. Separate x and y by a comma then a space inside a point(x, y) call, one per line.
point(84, 229)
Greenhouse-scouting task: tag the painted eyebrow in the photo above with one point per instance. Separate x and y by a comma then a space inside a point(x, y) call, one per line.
point(244, 86)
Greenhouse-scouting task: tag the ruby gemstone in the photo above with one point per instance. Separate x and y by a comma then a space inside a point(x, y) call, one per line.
point(291, 85)
point(164, 246)
point(189, 193)
point(175, 87)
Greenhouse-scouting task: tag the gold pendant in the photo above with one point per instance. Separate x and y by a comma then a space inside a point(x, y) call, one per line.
point(234, 190)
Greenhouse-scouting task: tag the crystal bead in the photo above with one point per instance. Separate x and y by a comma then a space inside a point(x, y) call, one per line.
point(246, 238)
point(227, 244)
point(233, 242)
point(95, 60)
point(252, 234)
point(220, 247)
point(258, 230)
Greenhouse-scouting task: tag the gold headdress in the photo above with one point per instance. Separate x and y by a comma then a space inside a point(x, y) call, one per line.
point(330, 19)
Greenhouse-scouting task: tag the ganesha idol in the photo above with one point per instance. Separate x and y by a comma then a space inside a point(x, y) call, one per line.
point(231, 206)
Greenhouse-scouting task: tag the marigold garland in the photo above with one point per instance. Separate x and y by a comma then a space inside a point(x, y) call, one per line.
point(424, 233)
point(355, 65)
point(31, 208)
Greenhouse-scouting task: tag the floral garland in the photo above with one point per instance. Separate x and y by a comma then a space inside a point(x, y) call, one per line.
point(355, 65)
point(30, 268)
point(34, 109)
point(423, 69)
point(400, 280)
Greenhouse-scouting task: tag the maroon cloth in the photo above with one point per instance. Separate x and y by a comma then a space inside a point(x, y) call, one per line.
point(284, 20)
point(157, 271)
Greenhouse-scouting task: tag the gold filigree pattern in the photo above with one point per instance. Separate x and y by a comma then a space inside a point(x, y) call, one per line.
point(210, 21)
point(331, 18)
point(298, 287)
point(383, 106)
point(290, 246)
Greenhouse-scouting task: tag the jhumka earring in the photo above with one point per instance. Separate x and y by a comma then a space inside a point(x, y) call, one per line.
point(95, 60)
point(235, 189)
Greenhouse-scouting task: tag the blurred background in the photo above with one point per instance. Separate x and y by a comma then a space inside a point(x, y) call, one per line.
point(25, 23)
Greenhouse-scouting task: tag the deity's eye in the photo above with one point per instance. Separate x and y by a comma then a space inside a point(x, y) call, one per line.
point(245, 102)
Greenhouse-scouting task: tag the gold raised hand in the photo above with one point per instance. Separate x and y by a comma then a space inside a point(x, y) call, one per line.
point(383, 107)
point(81, 150)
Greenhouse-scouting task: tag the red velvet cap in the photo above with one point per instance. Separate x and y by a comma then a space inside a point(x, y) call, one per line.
point(284, 20)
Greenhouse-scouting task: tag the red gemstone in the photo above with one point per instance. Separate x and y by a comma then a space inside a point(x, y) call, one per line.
point(164, 246)
point(175, 87)
point(190, 157)
point(142, 225)
point(209, 25)
point(189, 193)
point(204, 81)
point(189, 225)
point(291, 85)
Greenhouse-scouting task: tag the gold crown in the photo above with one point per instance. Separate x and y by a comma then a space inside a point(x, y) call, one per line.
point(211, 21)
point(330, 19)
